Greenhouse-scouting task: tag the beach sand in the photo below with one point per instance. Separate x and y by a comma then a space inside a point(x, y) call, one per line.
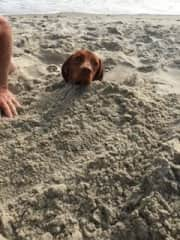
point(101, 162)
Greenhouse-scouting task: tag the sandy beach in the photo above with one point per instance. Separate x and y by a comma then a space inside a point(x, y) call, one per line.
point(95, 163)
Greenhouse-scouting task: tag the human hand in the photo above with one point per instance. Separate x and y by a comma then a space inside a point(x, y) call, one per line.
point(8, 103)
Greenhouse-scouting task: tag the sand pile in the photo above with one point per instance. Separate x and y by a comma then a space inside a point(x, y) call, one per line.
point(101, 162)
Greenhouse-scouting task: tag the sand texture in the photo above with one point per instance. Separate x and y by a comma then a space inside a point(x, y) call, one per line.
point(95, 163)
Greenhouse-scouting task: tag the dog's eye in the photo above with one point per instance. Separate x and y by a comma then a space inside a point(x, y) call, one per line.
point(79, 59)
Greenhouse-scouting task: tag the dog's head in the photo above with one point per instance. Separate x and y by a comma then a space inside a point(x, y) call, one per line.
point(82, 67)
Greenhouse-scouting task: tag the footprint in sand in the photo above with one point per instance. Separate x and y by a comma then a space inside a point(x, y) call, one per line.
point(111, 46)
point(52, 56)
point(52, 68)
point(146, 69)
point(113, 30)
point(177, 62)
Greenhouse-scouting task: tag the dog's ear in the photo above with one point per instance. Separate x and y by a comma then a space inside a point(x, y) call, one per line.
point(65, 69)
point(100, 72)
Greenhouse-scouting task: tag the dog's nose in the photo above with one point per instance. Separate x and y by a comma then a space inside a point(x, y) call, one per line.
point(86, 70)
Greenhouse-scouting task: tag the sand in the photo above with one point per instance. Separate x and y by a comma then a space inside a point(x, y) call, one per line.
point(101, 162)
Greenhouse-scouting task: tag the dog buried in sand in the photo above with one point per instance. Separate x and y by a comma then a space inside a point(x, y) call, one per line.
point(82, 68)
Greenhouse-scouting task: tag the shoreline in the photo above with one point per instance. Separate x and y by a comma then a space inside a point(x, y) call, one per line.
point(94, 14)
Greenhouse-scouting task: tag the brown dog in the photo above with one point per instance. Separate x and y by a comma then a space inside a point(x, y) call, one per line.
point(82, 68)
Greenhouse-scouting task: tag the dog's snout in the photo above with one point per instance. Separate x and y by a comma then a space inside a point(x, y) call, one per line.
point(86, 70)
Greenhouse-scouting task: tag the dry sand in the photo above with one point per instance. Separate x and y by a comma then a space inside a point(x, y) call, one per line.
point(101, 162)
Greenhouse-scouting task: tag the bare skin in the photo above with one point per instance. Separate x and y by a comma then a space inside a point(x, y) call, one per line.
point(8, 102)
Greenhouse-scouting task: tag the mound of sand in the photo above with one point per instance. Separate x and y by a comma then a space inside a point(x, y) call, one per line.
point(101, 162)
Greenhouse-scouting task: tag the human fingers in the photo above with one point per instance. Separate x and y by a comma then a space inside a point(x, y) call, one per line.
point(12, 108)
point(6, 109)
point(15, 101)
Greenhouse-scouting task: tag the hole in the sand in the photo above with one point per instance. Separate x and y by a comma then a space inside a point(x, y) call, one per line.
point(177, 158)
point(55, 86)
